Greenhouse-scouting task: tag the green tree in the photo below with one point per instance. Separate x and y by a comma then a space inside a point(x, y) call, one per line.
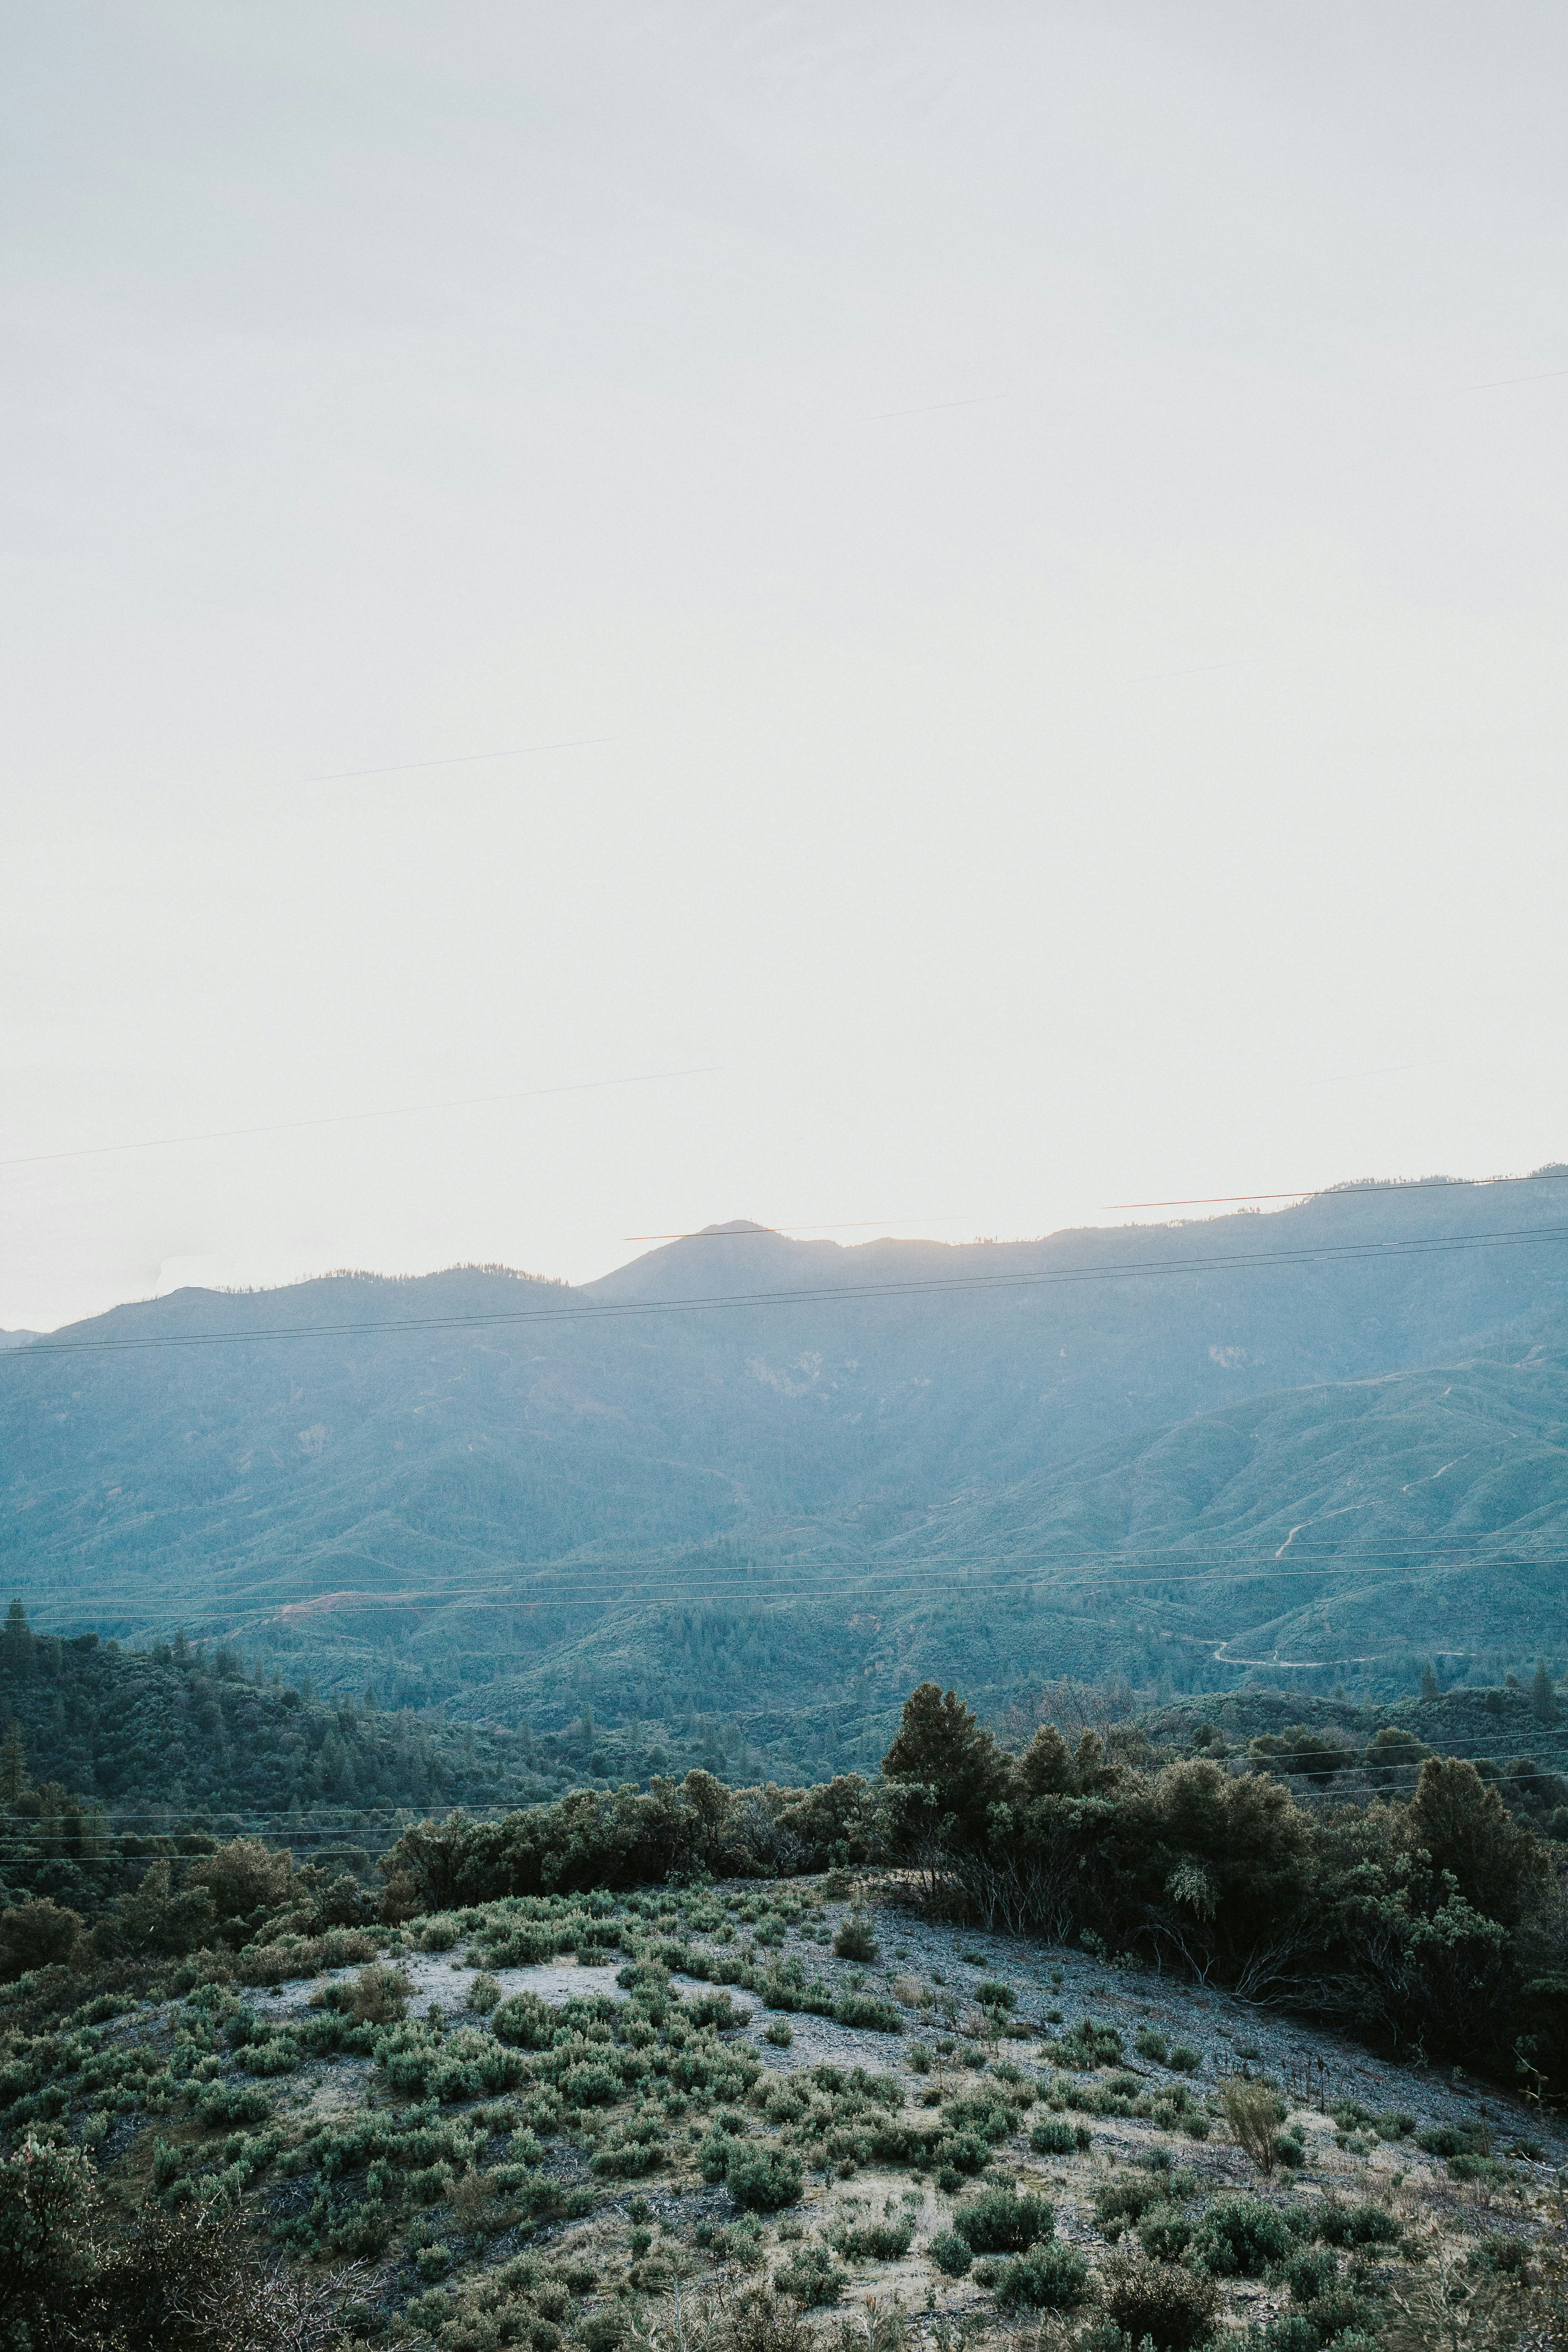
point(1543, 1699)
point(14, 1782)
point(16, 1644)
point(940, 1747)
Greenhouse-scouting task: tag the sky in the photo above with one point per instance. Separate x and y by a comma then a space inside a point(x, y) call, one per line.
point(921, 618)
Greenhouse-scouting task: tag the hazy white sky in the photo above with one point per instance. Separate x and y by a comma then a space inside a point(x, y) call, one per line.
point(1058, 509)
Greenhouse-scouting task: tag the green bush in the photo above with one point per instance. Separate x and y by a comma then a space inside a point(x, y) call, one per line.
point(1122, 2202)
point(1165, 2233)
point(950, 2253)
point(866, 2009)
point(812, 2278)
point(525, 2022)
point(1090, 2043)
point(1055, 2137)
point(36, 1934)
point(856, 1940)
point(1048, 2278)
point(1239, 2237)
point(1150, 2042)
point(883, 2242)
point(232, 2103)
point(1183, 2059)
point(1000, 2222)
point(1355, 2225)
point(991, 1993)
point(763, 2179)
point(1160, 2303)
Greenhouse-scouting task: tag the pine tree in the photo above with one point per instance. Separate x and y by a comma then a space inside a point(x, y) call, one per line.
point(16, 1642)
point(1542, 1702)
point(14, 1782)
point(1430, 1686)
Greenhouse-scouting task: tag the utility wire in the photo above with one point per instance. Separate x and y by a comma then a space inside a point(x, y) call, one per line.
point(353, 1118)
point(617, 1310)
point(1005, 1578)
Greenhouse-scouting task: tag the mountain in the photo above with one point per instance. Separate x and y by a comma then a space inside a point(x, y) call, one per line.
point(775, 1481)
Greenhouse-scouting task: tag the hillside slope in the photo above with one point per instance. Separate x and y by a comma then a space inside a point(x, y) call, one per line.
point(746, 1473)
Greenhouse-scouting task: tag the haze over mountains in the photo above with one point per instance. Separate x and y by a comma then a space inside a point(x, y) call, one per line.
point(779, 1481)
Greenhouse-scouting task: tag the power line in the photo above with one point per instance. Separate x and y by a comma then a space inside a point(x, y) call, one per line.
point(353, 1118)
point(616, 1309)
point(1007, 1577)
point(1392, 1190)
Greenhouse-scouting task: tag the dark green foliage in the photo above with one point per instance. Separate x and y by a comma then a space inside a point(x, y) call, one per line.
point(763, 2179)
point(1122, 2201)
point(1165, 2233)
point(99, 1731)
point(37, 1934)
point(1048, 2278)
point(885, 2242)
point(999, 2221)
point(856, 1938)
point(1240, 2237)
point(1170, 2307)
point(866, 2008)
point(1055, 2137)
point(950, 2253)
point(232, 2103)
point(1090, 2043)
point(811, 2278)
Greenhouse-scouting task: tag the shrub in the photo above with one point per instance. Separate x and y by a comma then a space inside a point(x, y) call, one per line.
point(1183, 2059)
point(883, 2241)
point(1150, 2042)
point(1311, 2272)
point(1355, 2225)
point(525, 2021)
point(1092, 2043)
point(867, 2010)
point(990, 1994)
point(1055, 2137)
point(1165, 2233)
point(1240, 2236)
point(1120, 2203)
point(483, 1993)
point(1160, 2302)
point(1253, 2113)
point(950, 2253)
point(812, 2278)
point(999, 2221)
point(232, 2103)
point(856, 1940)
point(37, 1934)
point(380, 1995)
point(779, 2033)
point(1049, 2278)
point(715, 2008)
point(763, 2179)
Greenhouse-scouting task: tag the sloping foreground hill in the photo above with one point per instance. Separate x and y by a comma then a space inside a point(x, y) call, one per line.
point(746, 2114)
point(746, 1467)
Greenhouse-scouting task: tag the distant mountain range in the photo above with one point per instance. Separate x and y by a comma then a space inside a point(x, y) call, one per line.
point(747, 1478)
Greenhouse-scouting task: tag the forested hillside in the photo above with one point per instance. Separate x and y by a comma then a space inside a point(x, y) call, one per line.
point(99, 1745)
point(748, 1489)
